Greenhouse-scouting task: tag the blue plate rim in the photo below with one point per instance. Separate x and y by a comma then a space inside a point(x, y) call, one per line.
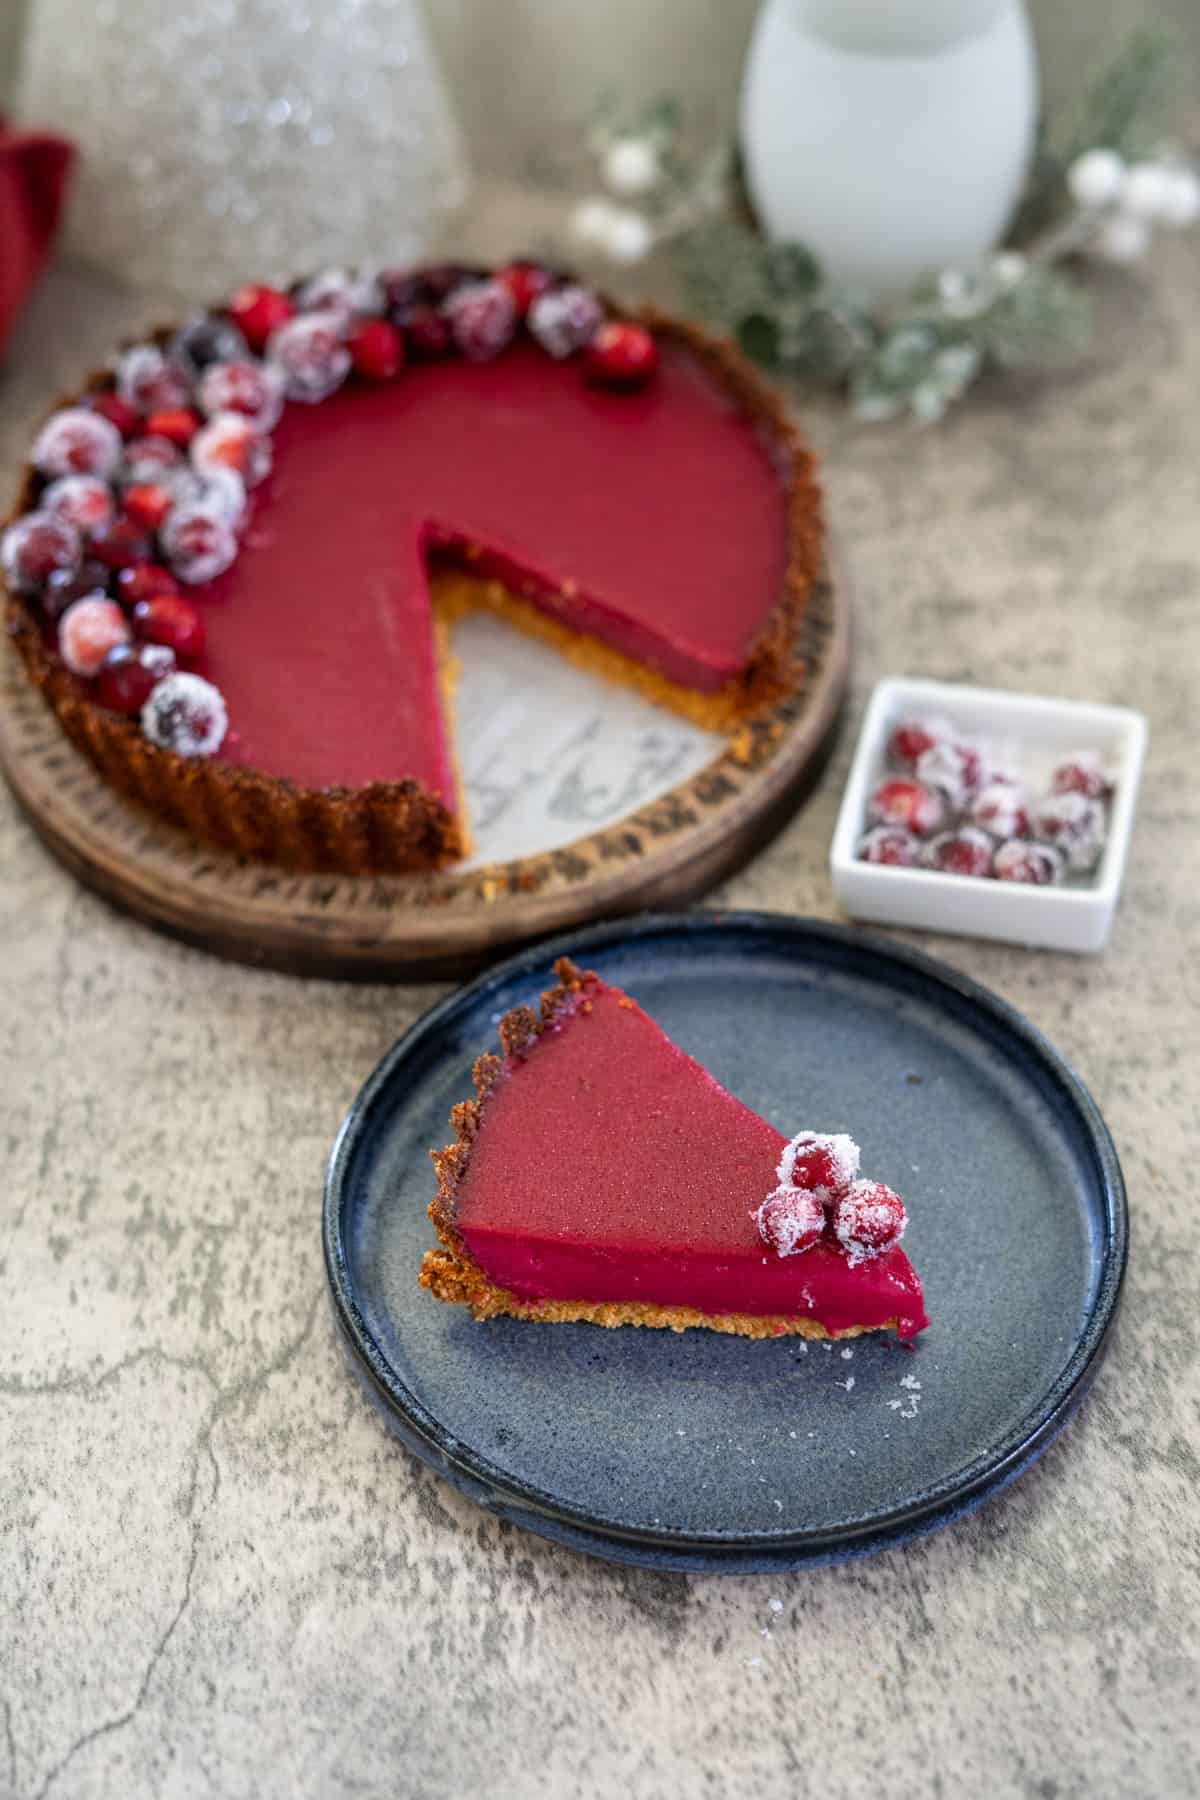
point(475, 1473)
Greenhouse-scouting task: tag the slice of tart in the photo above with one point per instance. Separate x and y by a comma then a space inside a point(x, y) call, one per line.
point(603, 1175)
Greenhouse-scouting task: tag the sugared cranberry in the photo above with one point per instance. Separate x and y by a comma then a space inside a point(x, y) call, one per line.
point(525, 281)
point(199, 546)
point(999, 809)
point(427, 335)
point(77, 441)
point(1074, 824)
point(230, 441)
point(253, 389)
point(88, 630)
point(790, 1220)
point(341, 295)
point(377, 350)
point(65, 586)
point(910, 804)
point(891, 845)
point(170, 619)
point(565, 319)
point(148, 382)
point(178, 426)
point(403, 289)
point(1082, 773)
point(186, 714)
point(310, 357)
point(34, 547)
point(126, 541)
point(483, 319)
point(440, 280)
point(147, 504)
point(203, 340)
point(83, 501)
point(258, 312)
point(118, 412)
point(967, 851)
point(817, 1159)
point(621, 355)
point(912, 738)
point(1038, 865)
point(130, 673)
point(955, 769)
point(867, 1219)
point(140, 581)
point(150, 459)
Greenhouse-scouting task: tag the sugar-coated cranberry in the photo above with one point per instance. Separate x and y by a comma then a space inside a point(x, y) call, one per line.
point(251, 388)
point(1082, 773)
point(790, 1220)
point(199, 546)
point(899, 801)
point(83, 501)
point(141, 581)
point(230, 441)
point(891, 845)
point(34, 547)
point(867, 1219)
point(1074, 824)
point(967, 851)
point(206, 339)
point(88, 630)
point(150, 459)
point(440, 280)
point(403, 289)
point(376, 350)
point(427, 334)
point(147, 504)
point(186, 714)
point(621, 355)
point(999, 808)
point(483, 319)
point(955, 769)
point(525, 281)
point(178, 426)
point(148, 381)
point(118, 412)
point(912, 738)
point(126, 541)
point(565, 319)
point(310, 357)
point(130, 673)
point(343, 296)
point(64, 586)
point(1038, 865)
point(170, 619)
point(258, 312)
point(221, 493)
point(77, 441)
point(819, 1159)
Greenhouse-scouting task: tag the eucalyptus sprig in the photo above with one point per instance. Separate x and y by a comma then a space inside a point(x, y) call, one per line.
point(1097, 189)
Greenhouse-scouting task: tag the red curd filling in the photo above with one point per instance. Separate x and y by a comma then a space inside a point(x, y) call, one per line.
point(655, 520)
point(609, 1166)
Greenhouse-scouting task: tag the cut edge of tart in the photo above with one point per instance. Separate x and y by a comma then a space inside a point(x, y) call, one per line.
point(402, 826)
point(451, 1273)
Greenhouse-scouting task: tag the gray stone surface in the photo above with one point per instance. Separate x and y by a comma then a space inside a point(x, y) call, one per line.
point(220, 1576)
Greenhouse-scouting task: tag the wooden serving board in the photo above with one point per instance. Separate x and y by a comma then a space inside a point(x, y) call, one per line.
point(662, 854)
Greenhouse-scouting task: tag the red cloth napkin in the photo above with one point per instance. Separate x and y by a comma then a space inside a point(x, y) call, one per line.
point(35, 173)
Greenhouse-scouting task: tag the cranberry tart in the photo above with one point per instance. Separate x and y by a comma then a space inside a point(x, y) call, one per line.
point(236, 556)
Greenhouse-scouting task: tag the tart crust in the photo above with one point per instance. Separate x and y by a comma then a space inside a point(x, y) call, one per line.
point(397, 827)
point(452, 1274)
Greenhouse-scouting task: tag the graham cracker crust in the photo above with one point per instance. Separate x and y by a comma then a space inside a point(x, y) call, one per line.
point(400, 826)
point(451, 1272)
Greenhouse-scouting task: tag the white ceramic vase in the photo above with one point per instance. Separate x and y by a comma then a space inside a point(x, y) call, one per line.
point(892, 137)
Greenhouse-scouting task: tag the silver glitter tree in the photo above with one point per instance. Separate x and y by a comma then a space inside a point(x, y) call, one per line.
point(226, 140)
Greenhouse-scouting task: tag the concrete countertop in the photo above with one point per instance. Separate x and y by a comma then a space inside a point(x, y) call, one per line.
point(222, 1577)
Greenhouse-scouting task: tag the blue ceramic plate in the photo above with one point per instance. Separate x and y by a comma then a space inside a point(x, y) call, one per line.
point(712, 1453)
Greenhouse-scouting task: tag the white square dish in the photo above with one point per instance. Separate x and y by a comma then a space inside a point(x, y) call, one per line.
point(1075, 916)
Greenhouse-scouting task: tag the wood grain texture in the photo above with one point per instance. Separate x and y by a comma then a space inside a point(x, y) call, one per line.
point(664, 853)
